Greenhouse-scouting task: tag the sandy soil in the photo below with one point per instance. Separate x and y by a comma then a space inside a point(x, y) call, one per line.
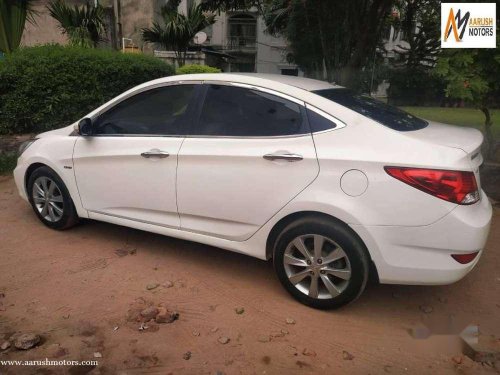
point(75, 287)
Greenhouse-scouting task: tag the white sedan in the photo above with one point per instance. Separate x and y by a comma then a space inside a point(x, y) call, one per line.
point(334, 186)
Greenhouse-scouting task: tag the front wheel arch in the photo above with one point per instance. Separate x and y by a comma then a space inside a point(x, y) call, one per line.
point(69, 216)
point(33, 167)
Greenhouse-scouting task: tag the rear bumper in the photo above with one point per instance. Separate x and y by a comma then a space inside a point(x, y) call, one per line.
point(421, 255)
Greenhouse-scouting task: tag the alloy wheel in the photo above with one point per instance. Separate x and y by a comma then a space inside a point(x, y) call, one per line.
point(48, 199)
point(317, 266)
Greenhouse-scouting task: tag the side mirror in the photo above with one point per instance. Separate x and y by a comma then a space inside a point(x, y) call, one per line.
point(85, 126)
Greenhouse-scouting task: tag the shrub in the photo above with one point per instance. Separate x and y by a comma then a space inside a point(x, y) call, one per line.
point(47, 87)
point(8, 161)
point(415, 87)
point(194, 68)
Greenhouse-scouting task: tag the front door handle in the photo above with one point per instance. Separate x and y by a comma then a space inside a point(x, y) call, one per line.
point(155, 153)
point(283, 156)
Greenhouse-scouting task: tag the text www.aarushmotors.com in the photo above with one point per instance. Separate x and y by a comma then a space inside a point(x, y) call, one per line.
point(48, 362)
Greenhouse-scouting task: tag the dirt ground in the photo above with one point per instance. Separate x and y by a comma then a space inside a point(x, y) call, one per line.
point(79, 290)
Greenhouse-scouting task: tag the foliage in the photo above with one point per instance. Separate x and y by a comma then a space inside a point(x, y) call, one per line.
point(46, 87)
point(420, 25)
point(84, 26)
point(178, 30)
point(414, 86)
point(8, 161)
point(194, 68)
point(228, 5)
point(473, 75)
point(13, 17)
point(335, 36)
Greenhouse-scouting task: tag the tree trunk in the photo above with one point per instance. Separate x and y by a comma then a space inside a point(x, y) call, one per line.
point(490, 140)
point(181, 57)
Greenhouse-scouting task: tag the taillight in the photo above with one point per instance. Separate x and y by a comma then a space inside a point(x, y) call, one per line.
point(452, 186)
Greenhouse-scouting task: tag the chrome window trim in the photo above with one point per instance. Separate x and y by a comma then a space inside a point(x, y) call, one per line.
point(249, 137)
point(144, 89)
point(256, 88)
point(339, 124)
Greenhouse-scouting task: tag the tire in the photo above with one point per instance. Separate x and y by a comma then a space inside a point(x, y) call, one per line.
point(343, 255)
point(58, 211)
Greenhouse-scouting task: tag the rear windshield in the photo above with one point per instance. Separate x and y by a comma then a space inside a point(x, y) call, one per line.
point(385, 114)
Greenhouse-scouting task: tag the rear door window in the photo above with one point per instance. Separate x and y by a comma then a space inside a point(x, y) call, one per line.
point(243, 112)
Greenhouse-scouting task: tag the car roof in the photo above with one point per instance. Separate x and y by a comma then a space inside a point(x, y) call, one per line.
point(300, 82)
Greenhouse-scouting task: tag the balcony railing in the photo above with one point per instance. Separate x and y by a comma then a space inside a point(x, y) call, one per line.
point(241, 43)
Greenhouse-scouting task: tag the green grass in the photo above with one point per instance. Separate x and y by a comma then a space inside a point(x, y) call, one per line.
point(457, 116)
point(8, 162)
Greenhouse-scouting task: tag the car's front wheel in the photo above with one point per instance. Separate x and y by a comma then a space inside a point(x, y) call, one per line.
point(50, 199)
point(321, 262)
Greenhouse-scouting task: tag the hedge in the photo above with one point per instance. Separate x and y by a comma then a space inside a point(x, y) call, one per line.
point(51, 86)
point(194, 68)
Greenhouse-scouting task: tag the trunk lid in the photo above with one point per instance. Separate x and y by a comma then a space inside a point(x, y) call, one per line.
point(466, 139)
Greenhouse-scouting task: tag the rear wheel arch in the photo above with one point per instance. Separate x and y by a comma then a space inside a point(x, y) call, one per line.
point(287, 220)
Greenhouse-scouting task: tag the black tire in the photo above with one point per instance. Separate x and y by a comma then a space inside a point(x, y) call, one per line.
point(354, 249)
point(69, 217)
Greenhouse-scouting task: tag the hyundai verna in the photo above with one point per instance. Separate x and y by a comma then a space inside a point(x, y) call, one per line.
point(335, 187)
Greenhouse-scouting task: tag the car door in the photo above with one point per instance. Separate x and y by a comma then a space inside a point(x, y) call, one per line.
point(249, 153)
point(127, 168)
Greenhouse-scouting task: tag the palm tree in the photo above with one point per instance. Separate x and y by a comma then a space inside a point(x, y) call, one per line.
point(13, 17)
point(84, 26)
point(179, 29)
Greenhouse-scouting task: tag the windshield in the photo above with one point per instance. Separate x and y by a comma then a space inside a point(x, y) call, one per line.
point(385, 114)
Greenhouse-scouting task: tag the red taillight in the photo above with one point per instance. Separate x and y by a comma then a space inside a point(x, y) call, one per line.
point(452, 186)
point(464, 258)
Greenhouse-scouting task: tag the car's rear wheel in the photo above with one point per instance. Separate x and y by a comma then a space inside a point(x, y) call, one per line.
point(50, 199)
point(321, 262)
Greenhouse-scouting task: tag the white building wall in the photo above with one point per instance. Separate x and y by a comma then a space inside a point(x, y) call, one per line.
point(270, 52)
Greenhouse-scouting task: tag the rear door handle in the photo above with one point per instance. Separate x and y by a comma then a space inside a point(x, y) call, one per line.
point(283, 156)
point(155, 153)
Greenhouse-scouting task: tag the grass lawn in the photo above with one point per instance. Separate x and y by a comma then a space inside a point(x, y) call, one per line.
point(457, 116)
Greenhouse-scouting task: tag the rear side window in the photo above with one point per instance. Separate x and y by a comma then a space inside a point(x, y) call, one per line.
point(385, 114)
point(237, 111)
point(318, 123)
point(160, 111)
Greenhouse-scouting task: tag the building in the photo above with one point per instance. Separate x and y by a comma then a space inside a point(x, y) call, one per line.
point(237, 42)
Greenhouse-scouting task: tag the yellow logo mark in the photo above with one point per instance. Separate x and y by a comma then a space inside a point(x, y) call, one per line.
point(451, 21)
point(455, 23)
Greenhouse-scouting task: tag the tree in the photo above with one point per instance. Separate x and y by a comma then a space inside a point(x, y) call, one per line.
point(473, 75)
point(410, 73)
point(13, 17)
point(84, 26)
point(178, 30)
point(332, 36)
point(227, 5)
point(420, 25)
